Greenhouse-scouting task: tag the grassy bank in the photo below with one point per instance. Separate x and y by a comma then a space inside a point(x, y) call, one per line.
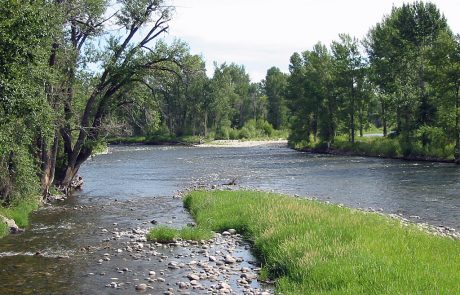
point(164, 234)
point(381, 147)
point(19, 211)
point(315, 248)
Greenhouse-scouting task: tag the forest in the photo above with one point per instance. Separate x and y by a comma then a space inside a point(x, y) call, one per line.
point(77, 74)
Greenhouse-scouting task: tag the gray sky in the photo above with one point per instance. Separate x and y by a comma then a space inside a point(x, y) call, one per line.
point(263, 33)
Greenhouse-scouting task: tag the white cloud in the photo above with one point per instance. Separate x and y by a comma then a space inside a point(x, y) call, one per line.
point(264, 33)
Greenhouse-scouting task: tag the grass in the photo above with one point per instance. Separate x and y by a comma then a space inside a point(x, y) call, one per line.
point(314, 248)
point(164, 234)
point(19, 212)
point(383, 147)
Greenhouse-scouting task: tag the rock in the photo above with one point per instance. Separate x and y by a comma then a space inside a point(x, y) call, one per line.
point(14, 228)
point(232, 231)
point(141, 287)
point(212, 258)
point(248, 276)
point(226, 233)
point(223, 285)
point(182, 285)
point(152, 273)
point(193, 276)
point(229, 259)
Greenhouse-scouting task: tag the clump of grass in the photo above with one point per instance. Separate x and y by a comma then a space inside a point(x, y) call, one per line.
point(314, 248)
point(19, 211)
point(3, 229)
point(164, 234)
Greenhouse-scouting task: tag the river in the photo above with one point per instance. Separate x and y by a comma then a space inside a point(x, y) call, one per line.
point(131, 186)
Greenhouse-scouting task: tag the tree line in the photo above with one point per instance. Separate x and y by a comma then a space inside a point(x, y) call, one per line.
point(403, 77)
point(73, 72)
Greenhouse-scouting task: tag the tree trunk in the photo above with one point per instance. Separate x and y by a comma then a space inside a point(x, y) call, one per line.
point(457, 126)
point(352, 114)
point(384, 119)
point(49, 164)
point(206, 124)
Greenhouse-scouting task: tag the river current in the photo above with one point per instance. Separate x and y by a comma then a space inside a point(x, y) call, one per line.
point(133, 185)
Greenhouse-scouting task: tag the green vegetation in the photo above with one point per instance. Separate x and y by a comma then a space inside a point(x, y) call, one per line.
point(315, 248)
point(381, 147)
point(19, 211)
point(403, 77)
point(164, 234)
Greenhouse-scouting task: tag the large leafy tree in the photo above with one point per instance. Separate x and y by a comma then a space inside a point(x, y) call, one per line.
point(349, 73)
point(25, 31)
point(128, 58)
point(275, 89)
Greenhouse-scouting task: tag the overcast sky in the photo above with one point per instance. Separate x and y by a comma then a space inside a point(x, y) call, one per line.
point(260, 34)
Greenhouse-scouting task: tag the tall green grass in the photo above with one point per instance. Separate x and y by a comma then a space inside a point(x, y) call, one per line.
point(19, 211)
point(315, 248)
point(164, 234)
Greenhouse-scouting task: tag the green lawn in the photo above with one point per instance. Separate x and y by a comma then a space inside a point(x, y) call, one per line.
point(313, 248)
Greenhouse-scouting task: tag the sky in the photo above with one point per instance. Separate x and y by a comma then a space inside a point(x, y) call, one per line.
point(260, 34)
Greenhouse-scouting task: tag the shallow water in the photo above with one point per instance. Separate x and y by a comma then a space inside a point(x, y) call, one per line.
point(131, 186)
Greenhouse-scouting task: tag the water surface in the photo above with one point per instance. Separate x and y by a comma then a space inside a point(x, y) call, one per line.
point(131, 186)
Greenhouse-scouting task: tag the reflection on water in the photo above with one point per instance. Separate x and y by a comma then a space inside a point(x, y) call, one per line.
point(130, 186)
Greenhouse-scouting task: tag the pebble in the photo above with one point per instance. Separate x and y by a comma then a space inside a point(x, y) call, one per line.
point(229, 259)
point(141, 287)
point(193, 277)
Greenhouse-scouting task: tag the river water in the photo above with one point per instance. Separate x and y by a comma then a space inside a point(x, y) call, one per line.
point(131, 186)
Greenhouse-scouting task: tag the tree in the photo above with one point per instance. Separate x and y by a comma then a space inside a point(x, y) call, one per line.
point(349, 77)
point(445, 62)
point(25, 30)
point(275, 88)
point(125, 60)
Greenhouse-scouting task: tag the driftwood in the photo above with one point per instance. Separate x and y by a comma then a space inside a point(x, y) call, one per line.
point(231, 182)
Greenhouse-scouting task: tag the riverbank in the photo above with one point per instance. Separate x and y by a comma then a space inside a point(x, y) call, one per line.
point(197, 141)
point(17, 215)
point(311, 247)
point(245, 143)
point(155, 140)
point(379, 147)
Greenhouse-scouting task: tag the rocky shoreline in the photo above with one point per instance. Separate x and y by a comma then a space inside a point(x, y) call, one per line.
point(245, 143)
point(221, 265)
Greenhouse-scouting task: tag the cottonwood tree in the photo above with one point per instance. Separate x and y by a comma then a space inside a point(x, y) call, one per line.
point(348, 66)
point(127, 57)
point(275, 89)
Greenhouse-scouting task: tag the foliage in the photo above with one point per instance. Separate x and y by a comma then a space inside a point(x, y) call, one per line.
point(20, 210)
point(315, 248)
point(408, 82)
